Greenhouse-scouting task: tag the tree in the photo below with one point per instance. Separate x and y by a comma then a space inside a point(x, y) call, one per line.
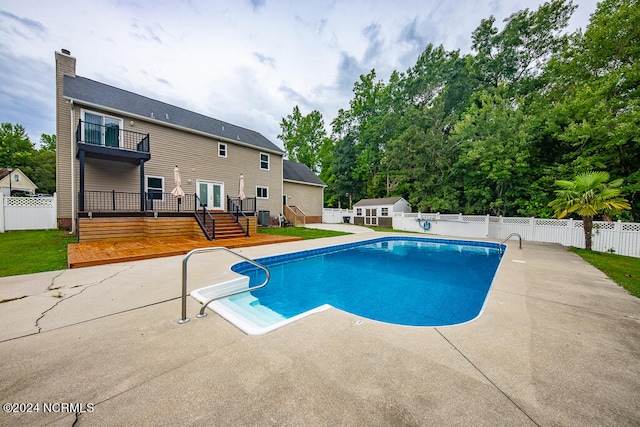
point(517, 54)
point(304, 137)
point(593, 98)
point(17, 151)
point(588, 194)
point(494, 162)
point(44, 165)
point(15, 148)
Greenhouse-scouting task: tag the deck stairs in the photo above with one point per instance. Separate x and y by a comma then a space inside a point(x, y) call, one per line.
point(226, 226)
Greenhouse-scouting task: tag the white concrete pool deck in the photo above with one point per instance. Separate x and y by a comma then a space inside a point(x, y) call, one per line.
point(557, 344)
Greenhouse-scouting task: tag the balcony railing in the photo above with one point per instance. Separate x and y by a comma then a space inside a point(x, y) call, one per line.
point(112, 136)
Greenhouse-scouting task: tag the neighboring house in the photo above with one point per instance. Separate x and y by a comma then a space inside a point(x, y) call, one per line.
point(303, 197)
point(116, 153)
point(379, 212)
point(14, 181)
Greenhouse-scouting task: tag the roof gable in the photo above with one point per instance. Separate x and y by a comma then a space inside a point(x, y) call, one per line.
point(379, 202)
point(4, 172)
point(98, 94)
point(299, 172)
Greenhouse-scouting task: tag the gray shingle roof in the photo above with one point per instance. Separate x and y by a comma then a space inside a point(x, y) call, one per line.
point(92, 92)
point(378, 202)
point(300, 172)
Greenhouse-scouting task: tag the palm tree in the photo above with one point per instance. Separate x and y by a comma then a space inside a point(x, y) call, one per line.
point(588, 195)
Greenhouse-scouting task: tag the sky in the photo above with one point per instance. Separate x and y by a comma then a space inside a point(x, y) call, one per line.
point(246, 62)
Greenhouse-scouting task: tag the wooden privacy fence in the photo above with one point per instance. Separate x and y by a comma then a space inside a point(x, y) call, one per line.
point(27, 213)
point(619, 237)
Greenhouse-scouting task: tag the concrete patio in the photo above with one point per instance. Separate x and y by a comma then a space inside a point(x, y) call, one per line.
point(558, 344)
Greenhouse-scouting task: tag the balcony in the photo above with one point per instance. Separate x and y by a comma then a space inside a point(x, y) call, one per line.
point(110, 142)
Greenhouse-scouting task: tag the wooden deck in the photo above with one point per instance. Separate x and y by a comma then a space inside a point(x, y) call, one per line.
point(86, 254)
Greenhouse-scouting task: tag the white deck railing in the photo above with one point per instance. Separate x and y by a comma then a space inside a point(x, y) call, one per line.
point(622, 238)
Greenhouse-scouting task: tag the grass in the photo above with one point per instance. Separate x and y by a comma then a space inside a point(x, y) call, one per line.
point(305, 233)
point(33, 251)
point(624, 270)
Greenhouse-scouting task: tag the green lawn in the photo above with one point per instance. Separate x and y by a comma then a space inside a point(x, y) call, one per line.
point(624, 270)
point(305, 233)
point(33, 251)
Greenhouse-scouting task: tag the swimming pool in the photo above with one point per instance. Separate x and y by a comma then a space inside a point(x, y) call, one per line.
point(396, 279)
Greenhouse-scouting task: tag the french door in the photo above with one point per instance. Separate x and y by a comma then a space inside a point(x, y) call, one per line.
point(210, 194)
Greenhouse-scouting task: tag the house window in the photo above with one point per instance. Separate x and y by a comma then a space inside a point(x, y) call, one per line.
point(99, 129)
point(16, 177)
point(264, 161)
point(262, 192)
point(222, 149)
point(359, 212)
point(155, 187)
point(384, 211)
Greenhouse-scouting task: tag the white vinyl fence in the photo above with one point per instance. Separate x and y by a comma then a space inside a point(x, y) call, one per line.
point(27, 213)
point(622, 238)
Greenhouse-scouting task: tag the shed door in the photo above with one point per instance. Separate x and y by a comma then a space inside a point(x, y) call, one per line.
point(371, 216)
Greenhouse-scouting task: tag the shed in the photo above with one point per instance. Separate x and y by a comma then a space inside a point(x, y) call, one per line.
point(379, 212)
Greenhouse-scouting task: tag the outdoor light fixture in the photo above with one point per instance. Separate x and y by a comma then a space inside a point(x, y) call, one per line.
point(90, 215)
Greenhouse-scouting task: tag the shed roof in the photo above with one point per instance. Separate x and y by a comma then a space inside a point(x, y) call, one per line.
point(299, 172)
point(378, 202)
point(101, 95)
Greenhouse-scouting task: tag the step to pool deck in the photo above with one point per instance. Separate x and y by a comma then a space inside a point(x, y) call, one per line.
point(86, 254)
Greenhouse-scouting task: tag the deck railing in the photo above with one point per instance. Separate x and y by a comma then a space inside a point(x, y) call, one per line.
point(105, 201)
point(247, 205)
point(121, 201)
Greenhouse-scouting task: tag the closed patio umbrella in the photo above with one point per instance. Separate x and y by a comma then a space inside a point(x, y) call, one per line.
point(177, 192)
point(241, 195)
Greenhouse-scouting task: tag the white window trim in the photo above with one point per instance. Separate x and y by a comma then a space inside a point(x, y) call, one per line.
point(383, 213)
point(226, 147)
point(268, 161)
point(146, 184)
point(83, 111)
point(263, 187)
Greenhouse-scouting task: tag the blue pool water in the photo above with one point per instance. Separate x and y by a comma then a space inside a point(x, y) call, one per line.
point(400, 280)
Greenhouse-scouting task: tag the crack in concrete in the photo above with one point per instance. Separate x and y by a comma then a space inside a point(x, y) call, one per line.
point(481, 372)
point(90, 285)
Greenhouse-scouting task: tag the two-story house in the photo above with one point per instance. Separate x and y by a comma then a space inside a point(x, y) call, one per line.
point(116, 155)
